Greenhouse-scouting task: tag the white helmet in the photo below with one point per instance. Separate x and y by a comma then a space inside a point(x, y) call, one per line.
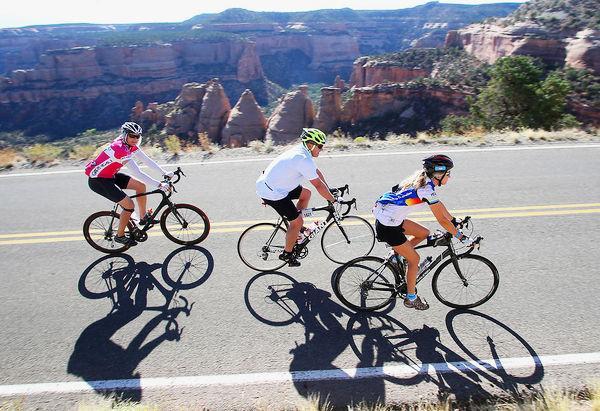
point(129, 127)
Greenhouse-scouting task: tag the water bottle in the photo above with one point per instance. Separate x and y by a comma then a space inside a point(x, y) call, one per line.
point(424, 264)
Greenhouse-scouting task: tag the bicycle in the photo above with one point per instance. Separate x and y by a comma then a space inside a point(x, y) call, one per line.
point(181, 223)
point(259, 245)
point(370, 283)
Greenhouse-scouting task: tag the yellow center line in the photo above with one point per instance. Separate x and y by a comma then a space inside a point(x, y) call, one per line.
point(239, 226)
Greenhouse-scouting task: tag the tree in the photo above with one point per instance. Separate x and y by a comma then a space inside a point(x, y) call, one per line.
point(517, 96)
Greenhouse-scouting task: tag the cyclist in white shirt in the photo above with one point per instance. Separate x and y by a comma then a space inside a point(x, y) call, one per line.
point(281, 182)
point(392, 226)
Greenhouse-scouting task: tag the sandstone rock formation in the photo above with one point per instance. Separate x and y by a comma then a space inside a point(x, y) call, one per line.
point(64, 92)
point(583, 51)
point(330, 109)
point(246, 122)
point(367, 72)
point(410, 107)
point(214, 112)
point(182, 119)
point(294, 112)
point(489, 42)
point(153, 115)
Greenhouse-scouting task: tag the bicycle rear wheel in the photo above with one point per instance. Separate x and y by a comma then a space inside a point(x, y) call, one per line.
point(259, 246)
point(185, 224)
point(366, 283)
point(100, 230)
point(481, 281)
point(354, 237)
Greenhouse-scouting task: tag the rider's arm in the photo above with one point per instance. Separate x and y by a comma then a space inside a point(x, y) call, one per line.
point(140, 155)
point(322, 177)
point(441, 214)
point(322, 189)
point(140, 175)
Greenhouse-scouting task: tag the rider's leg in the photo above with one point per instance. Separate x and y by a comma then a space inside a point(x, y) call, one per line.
point(407, 251)
point(292, 234)
point(127, 205)
point(139, 188)
point(416, 231)
point(303, 199)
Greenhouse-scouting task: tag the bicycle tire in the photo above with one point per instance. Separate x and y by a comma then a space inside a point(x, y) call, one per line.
point(252, 247)
point(362, 240)
point(100, 235)
point(468, 272)
point(192, 218)
point(365, 266)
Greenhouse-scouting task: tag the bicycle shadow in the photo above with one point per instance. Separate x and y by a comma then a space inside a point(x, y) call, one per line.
point(133, 289)
point(416, 356)
point(277, 299)
point(382, 340)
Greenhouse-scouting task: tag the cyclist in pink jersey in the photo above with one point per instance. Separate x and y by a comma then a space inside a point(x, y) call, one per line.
point(106, 180)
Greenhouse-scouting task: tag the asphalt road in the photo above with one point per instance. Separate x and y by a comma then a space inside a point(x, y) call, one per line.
point(537, 207)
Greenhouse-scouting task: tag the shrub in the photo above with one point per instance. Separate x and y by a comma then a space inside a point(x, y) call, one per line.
point(8, 157)
point(41, 153)
point(206, 144)
point(82, 152)
point(453, 124)
point(173, 145)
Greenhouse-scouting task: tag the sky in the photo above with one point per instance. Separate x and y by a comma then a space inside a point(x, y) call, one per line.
point(36, 12)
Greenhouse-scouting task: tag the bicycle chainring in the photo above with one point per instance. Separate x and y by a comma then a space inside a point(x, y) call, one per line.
point(302, 253)
point(140, 235)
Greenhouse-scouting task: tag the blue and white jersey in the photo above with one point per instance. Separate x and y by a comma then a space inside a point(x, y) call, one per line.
point(392, 208)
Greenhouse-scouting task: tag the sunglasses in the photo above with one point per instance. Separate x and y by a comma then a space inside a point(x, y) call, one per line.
point(133, 135)
point(320, 146)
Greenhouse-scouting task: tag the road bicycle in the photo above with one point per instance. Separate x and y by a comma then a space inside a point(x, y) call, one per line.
point(181, 223)
point(463, 280)
point(344, 237)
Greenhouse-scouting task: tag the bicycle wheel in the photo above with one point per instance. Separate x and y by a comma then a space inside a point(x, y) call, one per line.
point(481, 281)
point(100, 230)
point(366, 283)
point(354, 237)
point(259, 246)
point(185, 224)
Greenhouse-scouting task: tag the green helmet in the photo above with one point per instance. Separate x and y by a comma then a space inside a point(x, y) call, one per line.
point(313, 135)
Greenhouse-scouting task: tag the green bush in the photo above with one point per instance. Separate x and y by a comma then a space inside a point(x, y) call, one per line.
point(453, 124)
point(173, 145)
point(82, 152)
point(41, 153)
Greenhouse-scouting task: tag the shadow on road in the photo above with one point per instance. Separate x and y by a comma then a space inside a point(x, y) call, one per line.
point(417, 356)
point(109, 367)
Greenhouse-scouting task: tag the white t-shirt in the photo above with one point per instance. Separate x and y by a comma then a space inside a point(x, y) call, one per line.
point(393, 207)
point(285, 173)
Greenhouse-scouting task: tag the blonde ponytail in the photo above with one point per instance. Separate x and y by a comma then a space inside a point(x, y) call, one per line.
point(416, 180)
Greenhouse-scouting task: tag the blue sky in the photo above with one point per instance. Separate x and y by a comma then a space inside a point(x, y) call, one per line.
point(32, 12)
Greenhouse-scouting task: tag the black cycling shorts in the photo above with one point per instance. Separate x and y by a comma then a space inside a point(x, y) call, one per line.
point(393, 235)
point(286, 207)
point(111, 188)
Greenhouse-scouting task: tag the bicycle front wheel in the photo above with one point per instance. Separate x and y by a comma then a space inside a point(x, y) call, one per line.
point(185, 224)
point(366, 283)
point(349, 238)
point(478, 284)
point(260, 245)
point(100, 230)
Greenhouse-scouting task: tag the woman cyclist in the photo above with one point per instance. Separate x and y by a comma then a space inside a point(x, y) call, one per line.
point(392, 226)
point(105, 179)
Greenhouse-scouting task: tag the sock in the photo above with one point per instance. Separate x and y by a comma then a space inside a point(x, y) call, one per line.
point(411, 297)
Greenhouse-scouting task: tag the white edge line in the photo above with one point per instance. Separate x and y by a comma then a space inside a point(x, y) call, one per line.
point(375, 154)
point(398, 371)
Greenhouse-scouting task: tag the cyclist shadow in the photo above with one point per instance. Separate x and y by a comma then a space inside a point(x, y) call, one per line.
point(382, 340)
point(277, 299)
point(133, 289)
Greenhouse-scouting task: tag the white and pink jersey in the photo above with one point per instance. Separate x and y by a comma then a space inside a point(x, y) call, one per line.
point(110, 161)
point(118, 154)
